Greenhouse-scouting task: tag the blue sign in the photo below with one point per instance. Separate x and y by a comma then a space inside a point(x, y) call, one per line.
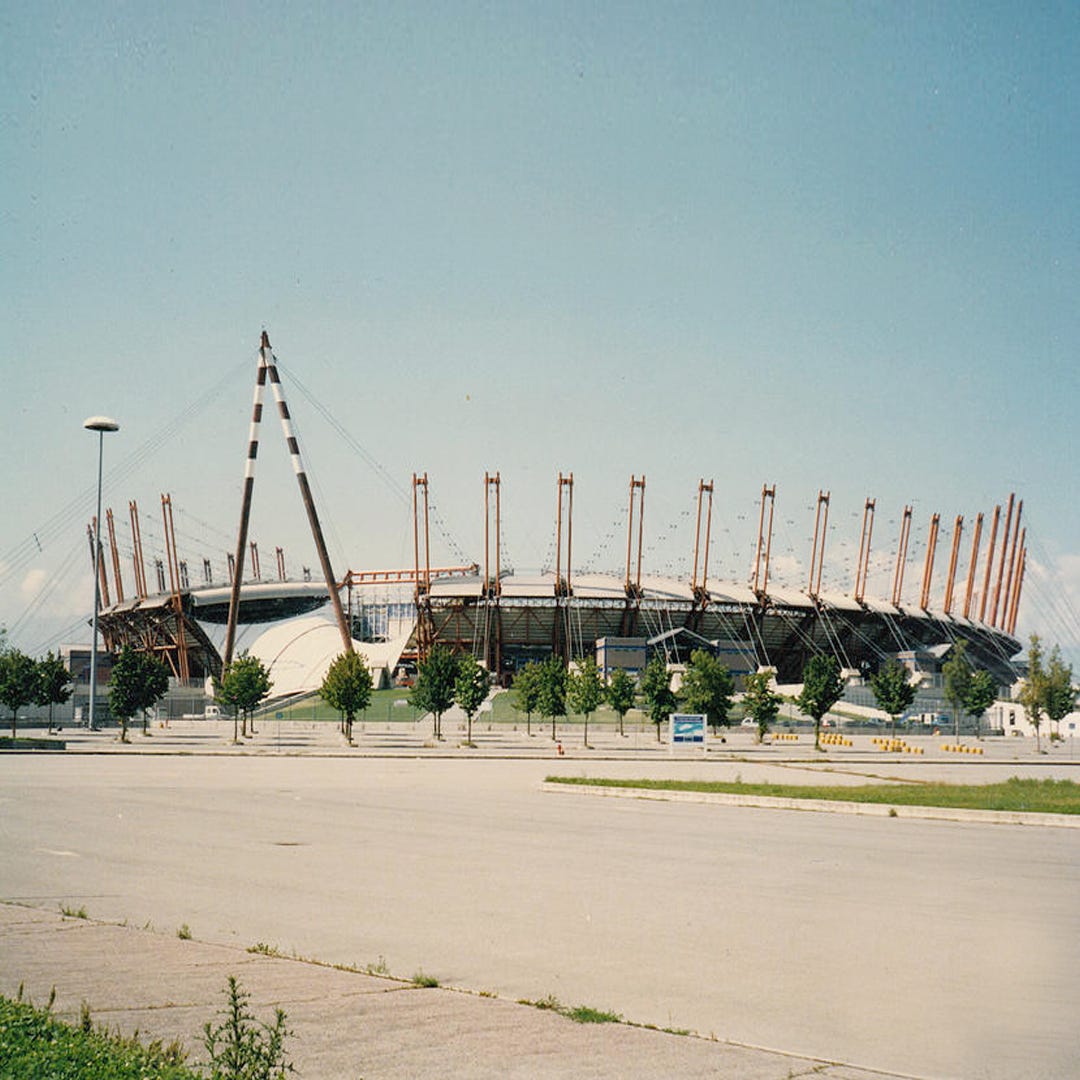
point(688, 729)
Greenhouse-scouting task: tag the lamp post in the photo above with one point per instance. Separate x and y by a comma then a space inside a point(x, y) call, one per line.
point(100, 424)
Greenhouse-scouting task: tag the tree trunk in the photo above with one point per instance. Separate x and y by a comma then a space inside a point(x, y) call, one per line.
point(586, 730)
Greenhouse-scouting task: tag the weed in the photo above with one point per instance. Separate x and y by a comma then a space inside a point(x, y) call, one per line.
point(379, 967)
point(73, 913)
point(429, 982)
point(86, 1025)
point(263, 949)
point(580, 1014)
point(585, 1014)
point(184, 933)
point(243, 1048)
point(550, 1002)
point(892, 811)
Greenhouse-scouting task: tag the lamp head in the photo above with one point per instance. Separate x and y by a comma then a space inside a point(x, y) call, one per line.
point(100, 423)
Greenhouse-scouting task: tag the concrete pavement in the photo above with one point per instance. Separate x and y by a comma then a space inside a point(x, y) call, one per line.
point(347, 1024)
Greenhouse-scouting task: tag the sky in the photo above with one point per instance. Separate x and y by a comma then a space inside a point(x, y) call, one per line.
point(824, 246)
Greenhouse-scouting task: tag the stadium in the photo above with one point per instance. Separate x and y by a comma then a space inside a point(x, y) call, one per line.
point(507, 618)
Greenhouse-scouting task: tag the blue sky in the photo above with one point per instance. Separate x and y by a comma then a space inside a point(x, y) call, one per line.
point(817, 245)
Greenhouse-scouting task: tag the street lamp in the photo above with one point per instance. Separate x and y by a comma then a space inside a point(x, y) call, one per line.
point(100, 424)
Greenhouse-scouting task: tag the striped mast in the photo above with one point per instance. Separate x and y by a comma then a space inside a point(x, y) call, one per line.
point(268, 370)
point(270, 365)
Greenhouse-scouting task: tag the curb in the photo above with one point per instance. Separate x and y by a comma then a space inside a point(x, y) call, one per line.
point(827, 806)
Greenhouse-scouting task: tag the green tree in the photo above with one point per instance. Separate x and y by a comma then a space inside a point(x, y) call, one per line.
point(244, 683)
point(620, 694)
point(981, 694)
point(138, 681)
point(957, 671)
point(18, 683)
point(893, 689)
point(347, 687)
point(551, 702)
point(660, 700)
point(823, 687)
point(471, 688)
point(1059, 695)
point(54, 684)
point(707, 687)
point(761, 701)
point(434, 689)
point(1033, 693)
point(586, 690)
point(527, 692)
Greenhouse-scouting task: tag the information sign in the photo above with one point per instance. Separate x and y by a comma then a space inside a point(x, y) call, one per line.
point(687, 729)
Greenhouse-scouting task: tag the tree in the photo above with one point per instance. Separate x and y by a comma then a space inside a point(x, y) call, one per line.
point(434, 689)
point(761, 701)
point(660, 700)
point(527, 691)
point(620, 694)
point(1033, 693)
point(551, 701)
point(137, 682)
point(981, 694)
point(244, 683)
point(471, 688)
point(346, 687)
point(893, 689)
point(53, 684)
point(18, 683)
point(1059, 696)
point(957, 671)
point(586, 690)
point(823, 687)
point(707, 687)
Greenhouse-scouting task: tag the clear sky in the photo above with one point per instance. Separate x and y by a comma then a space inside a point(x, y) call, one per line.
point(819, 245)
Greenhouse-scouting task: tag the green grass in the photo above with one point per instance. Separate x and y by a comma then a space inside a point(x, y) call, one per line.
point(382, 709)
point(1016, 794)
point(73, 913)
point(33, 1043)
point(429, 982)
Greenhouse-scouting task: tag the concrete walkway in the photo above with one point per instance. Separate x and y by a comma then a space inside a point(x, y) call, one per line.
point(347, 1024)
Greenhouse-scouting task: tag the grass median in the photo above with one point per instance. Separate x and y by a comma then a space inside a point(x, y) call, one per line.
point(1015, 794)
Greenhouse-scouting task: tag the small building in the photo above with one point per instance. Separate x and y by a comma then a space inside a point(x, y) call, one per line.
point(625, 653)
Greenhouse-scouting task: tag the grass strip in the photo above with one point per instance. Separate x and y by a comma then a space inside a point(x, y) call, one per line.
point(1015, 794)
point(34, 1043)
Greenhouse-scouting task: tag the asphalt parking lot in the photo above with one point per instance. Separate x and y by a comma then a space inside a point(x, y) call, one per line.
point(916, 948)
